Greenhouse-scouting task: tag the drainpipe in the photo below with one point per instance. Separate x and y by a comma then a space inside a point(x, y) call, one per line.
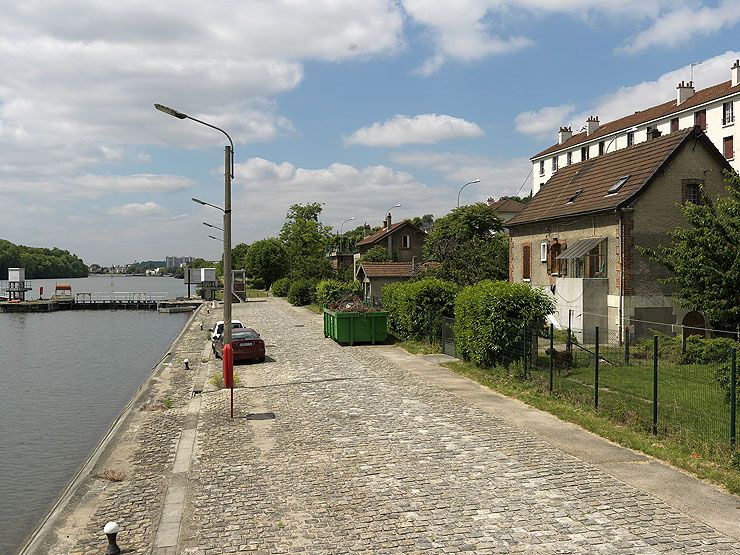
point(621, 271)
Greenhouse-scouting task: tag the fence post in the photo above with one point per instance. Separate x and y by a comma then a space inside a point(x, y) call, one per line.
point(443, 334)
point(733, 396)
point(626, 346)
point(570, 341)
point(655, 385)
point(552, 350)
point(683, 341)
point(596, 371)
point(431, 325)
point(525, 353)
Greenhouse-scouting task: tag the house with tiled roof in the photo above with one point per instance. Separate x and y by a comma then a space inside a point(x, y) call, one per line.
point(712, 109)
point(403, 240)
point(578, 237)
point(376, 275)
point(506, 208)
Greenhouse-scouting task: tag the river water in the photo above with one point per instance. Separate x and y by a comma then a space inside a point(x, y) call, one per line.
point(64, 378)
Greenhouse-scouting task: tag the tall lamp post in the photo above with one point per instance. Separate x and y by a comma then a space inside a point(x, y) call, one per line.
point(389, 210)
point(228, 176)
point(461, 188)
point(341, 227)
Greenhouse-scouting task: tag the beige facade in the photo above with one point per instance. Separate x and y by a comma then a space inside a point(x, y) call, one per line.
point(622, 288)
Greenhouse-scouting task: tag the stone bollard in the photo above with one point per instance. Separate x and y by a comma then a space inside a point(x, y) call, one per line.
point(186, 364)
point(111, 530)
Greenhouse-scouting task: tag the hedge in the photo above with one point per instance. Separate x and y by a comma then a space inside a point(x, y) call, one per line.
point(280, 287)
point(409, 305)
point(330, 290)
point(301, 292)
point(490, 318)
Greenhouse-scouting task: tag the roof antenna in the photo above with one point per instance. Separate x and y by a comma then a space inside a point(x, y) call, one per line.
point(692, 69)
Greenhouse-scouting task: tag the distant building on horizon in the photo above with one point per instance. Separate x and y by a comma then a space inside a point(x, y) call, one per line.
point(177, 261)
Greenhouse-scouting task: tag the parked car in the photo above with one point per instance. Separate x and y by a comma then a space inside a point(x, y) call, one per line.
point(218, 328)
point(246, 344)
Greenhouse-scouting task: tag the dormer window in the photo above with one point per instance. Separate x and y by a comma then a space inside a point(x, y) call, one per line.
point(554, 164)
point(574, 196)
point(630, 138)
point(569, 158)
point(618, 185)
point(542, 167)
point(584, 153)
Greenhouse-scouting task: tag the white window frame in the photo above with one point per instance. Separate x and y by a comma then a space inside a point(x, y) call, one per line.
point(406, 241)
point(543, 251)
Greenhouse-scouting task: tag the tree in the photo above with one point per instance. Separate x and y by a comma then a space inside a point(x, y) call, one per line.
point(267, 260)
point(469, 244)
point(306, 240)
point(377, 254)
point(238, 256)
point(423, 222)
point(704, 258)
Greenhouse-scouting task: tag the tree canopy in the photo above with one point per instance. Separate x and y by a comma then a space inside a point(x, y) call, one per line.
point(306, 240)
point(40, 262)
point(267, 261)
point(469, 245)
point(704, 258)
point(377, 254)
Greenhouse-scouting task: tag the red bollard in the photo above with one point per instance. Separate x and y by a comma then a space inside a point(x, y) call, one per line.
point(228, 356)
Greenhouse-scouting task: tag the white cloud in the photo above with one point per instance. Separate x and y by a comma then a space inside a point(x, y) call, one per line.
point(498, 176)
point(679, 26)
point(544, 122)
point(80, 77)
point(137, 210)
point(626, 100)
point(265, 189)
point(421, 129)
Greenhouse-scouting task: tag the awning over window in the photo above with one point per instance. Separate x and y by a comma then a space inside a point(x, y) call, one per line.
point(580, 248)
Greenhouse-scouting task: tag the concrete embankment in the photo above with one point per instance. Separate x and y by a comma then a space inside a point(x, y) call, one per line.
point(124, 475)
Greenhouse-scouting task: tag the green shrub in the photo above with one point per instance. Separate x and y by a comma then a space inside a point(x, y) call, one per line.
point(410, 304)
point(301, 292)
point(280, 287)
point(330, 290)
point(490, 318)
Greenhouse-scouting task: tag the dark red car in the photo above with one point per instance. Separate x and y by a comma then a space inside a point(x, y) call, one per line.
point(246, 344)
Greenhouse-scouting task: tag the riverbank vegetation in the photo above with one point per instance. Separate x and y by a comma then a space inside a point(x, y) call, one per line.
point(40, 263)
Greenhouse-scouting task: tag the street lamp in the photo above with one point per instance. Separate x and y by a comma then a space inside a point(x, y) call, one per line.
point(391, 208)
point(228, 176)
point(213, 226)
point(341, 227)
point(461, 188)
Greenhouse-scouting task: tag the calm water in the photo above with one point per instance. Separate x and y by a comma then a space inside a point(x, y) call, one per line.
point(64, 378)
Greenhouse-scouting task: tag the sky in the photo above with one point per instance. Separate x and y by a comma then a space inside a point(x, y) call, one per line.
point(360, 105)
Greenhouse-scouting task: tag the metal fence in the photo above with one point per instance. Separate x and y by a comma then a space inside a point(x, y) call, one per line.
point(661, 385)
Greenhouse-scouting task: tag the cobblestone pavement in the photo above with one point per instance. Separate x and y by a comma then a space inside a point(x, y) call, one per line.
point(364, 457)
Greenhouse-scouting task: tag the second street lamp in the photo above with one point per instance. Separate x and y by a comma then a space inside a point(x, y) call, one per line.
point(213, 226)
point(461, 188)
point(341, 227)
point(228, 176)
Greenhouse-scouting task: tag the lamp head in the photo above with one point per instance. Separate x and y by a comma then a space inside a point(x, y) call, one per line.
point(170, 111)
point(198, 201)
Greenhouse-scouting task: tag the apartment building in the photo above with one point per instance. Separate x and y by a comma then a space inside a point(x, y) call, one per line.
point(712, 109)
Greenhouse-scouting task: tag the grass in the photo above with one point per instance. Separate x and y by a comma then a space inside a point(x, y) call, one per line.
point(625, 411)
point(413, 346)
point(314, 308)
point(217, 380)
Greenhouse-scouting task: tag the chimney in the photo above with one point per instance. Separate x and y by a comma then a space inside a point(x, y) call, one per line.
point(736, 74)
point(592, 124)
point(388, 221)
point(684, 92)
point(564, 134)
point(653, 133)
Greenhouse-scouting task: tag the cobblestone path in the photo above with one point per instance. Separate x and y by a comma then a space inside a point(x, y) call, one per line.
point(364, 457)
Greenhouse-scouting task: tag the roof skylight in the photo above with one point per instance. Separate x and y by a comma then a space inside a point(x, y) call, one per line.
point(574, 196)
point(618, 185)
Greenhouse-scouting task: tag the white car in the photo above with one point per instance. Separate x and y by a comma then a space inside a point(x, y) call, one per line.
point(218, 329)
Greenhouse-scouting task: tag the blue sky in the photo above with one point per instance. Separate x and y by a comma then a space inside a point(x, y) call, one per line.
point(357, 104)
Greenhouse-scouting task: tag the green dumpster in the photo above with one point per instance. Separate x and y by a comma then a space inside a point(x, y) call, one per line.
point(348, 328)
